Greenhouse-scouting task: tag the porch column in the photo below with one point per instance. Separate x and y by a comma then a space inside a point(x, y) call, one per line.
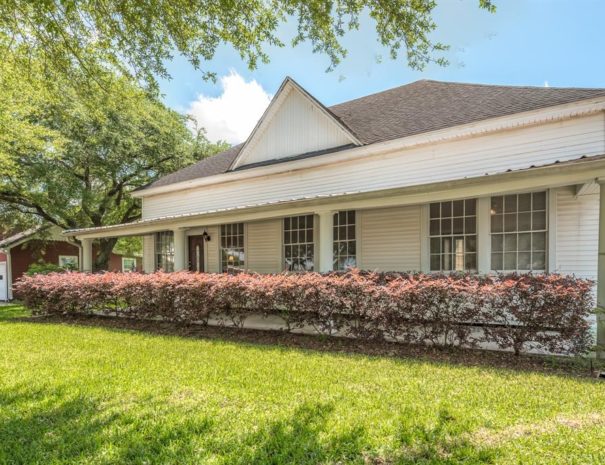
point(484, 240)
point(87, 255)
point(601, 274)
point(326, 241)
point(180, 242)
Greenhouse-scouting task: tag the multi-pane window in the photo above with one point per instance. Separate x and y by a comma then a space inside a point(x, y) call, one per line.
point(518, 231)
point(345, 247)
point(299, 249)
point(69, 262)
point(129, 264)
point(232, 247)
point(164, 251)
point(453, 235)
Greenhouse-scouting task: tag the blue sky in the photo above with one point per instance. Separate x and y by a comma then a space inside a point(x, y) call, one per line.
point(526, 42)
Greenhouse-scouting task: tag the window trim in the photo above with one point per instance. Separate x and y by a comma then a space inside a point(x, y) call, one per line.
point(313, 243)
point(129, 270)
point(547, 231)
point(335, 241)
point(157, 253)
point(77, 260)
point(429, 236)
point(244, 246)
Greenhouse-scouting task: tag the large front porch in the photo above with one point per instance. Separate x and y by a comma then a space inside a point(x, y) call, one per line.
point(534, 220)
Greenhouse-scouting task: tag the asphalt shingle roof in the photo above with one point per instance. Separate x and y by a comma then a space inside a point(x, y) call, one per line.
point(425, 106)
point(210, 166)
point(9, 240)
point(415, 108)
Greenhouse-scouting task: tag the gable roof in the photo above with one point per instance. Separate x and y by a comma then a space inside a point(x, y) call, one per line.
point(415, 108)
point(343, 134)
point(217, 164)
point(21, 237)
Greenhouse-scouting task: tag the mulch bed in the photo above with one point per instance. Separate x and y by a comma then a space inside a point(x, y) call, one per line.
point(567, 366)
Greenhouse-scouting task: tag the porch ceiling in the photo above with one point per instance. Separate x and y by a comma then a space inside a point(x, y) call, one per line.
point(556, 174)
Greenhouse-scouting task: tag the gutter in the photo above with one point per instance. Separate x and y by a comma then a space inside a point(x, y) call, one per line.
point(587, 168)
point(78, 244)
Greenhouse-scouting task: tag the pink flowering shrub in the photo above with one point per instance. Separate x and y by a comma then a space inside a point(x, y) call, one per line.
point(549, 311)
point(514, 312)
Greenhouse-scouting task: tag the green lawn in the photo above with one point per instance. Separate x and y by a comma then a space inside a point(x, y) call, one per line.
point(90, 395)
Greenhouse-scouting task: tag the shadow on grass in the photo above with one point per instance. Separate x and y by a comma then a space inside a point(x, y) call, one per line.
point(54, 426)
point(302, 440)
point(42, 426)
point(561, 366)
point(444, 442)
point(297, 440)
point(50, 427)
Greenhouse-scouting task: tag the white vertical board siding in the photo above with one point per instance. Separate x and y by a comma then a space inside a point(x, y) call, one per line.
point(264, 246)
point(577, 233)
point(473, 157)
point(149, 253)
point(390, 238)
point(297, 127)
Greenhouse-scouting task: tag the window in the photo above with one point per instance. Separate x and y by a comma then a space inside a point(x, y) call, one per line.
point(69, 262)
point(453, 235)
point(518, 232)
point(164, 251)
point(299, 250)
point(345, 253)
point(232, 247)
point(129, 264)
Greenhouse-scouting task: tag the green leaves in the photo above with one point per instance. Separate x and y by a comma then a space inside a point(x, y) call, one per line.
point(71, 153)
point(137, 38)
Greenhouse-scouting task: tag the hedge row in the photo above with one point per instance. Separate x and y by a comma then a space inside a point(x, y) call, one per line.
point(515, 312)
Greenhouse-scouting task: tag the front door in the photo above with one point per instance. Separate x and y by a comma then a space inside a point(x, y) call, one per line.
point(196, 253)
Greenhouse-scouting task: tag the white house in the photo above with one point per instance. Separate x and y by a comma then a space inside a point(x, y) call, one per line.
point(429, 176)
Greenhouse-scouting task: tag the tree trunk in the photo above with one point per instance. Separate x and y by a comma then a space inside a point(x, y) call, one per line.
point(105, 248)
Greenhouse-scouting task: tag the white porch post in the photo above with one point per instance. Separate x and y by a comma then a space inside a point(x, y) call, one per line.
point(86, 255)
point(149, 253)
point(326, 235)
point(180, 242)
point(601, 274)
point(484, 240)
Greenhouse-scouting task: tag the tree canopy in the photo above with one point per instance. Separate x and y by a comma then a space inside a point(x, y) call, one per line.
point(81, 124)
point(139, 37)
point(71, 156)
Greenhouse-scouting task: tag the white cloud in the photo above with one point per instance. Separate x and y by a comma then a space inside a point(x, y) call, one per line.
point(232, 115)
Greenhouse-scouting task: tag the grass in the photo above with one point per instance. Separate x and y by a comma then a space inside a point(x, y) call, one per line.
point(93, 395)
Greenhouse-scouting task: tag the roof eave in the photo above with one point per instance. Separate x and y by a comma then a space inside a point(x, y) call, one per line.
point(503, 123)
point(20, 238)
point(265, 118)
point(580, 169)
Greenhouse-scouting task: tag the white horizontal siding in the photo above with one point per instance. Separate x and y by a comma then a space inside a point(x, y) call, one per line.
point(577, 233)
point(495, 153)
point(264, 246)
point(213, 260)
point(297, 127)
point(390, 239)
